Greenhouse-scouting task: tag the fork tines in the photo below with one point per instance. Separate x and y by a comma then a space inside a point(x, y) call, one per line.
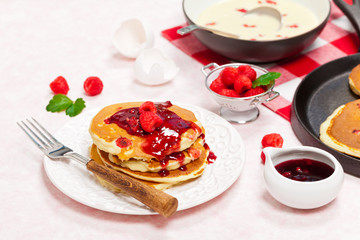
point(37, 133)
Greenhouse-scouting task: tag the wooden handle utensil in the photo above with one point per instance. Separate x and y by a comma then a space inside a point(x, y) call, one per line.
point(159, 201)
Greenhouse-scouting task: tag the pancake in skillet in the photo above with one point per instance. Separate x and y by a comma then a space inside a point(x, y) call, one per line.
point(341, 130)
point(354, 80)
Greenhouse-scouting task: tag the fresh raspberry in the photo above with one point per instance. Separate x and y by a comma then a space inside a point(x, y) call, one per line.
point(149, 121)
point(242, 83)
point(227, 76)
point(272, 140)
point(248, 71)
point(93, 86)
point(123, 142)
point(229, 93)
point(263, 158)
point(217, 85)
point(253, 92)
point(59, 85)
point(148, 106)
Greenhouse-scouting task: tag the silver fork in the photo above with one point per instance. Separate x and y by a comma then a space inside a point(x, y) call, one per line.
point(157, 200)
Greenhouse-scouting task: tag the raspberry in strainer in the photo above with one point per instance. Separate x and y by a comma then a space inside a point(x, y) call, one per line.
point(227, 76)
point(253, 92)
point(248, 71)
point(242, 83)
point(229, 93)
point(217, 85)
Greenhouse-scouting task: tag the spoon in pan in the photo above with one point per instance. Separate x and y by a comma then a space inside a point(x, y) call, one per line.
point(259, 11)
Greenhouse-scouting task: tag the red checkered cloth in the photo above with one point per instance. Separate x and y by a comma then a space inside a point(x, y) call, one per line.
point(335, 41)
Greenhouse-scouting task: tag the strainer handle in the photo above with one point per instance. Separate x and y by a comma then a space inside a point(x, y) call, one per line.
point(210, 67)
point(272, 96)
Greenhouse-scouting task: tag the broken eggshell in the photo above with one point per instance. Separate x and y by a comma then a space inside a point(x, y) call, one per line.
point(153, 68)
point(132, 37)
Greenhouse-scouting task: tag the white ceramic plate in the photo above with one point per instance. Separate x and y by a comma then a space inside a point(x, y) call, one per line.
point(74, 180)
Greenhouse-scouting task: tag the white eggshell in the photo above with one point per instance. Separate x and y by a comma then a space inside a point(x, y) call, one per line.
point(153, 68)
point(132, 37)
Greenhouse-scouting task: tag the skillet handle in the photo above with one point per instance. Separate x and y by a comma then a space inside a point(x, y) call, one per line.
point(352, 12)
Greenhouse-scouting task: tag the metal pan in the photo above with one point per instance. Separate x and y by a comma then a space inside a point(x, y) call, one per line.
point(256, 51)
point(322, 91)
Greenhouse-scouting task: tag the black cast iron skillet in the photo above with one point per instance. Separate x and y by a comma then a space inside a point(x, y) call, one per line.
point(257, 51)
point(322, 91)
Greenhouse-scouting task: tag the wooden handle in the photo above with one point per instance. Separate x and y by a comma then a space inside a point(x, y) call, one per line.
point(157, 200)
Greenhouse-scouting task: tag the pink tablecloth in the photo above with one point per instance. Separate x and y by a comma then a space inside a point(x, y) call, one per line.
point(41, 40)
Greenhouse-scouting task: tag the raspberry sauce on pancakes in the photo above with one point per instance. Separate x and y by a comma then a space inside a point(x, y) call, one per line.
point(165, 139)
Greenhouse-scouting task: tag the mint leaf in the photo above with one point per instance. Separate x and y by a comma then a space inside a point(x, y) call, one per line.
point(76, 108)
point(266, 79)
point(59, 103)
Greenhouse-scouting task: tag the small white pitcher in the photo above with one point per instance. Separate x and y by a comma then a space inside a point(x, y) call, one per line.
point(297, 194)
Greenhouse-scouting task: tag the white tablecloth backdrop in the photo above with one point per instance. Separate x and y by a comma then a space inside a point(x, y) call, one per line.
point(40, 40)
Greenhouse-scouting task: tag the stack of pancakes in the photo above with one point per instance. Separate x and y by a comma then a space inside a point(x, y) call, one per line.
point(172, 153)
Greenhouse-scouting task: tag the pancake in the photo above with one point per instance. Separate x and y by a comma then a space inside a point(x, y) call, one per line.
point(171, 162)
point(341, 130)
point(354, 80)
point(96, 157)
point(110, 136)
point(192, 170)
